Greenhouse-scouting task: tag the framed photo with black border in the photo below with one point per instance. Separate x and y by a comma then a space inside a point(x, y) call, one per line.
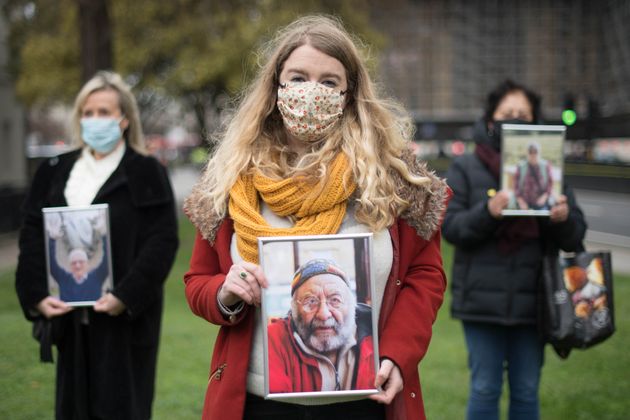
point(320, 336)
point(532, 164)
point(78, 253)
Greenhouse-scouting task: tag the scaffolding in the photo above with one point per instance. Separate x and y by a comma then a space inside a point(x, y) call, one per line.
point(445, 56)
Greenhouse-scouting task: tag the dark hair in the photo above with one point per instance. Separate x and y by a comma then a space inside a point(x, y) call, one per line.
point(502, 90)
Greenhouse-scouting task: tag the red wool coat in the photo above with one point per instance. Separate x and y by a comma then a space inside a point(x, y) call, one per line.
point(413, 295)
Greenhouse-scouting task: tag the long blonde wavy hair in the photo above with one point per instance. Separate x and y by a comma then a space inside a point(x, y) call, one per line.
point(373, 132)
point(107, 80)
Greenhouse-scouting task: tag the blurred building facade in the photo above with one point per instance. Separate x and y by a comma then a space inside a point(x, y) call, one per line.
point(443, 57)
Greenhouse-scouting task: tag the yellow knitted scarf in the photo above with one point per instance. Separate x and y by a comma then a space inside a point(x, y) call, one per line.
point(317, 208)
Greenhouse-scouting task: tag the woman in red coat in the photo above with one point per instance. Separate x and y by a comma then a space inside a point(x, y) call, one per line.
point(312, 150)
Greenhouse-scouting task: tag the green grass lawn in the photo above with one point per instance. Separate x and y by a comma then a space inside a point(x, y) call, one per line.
point(594, 383)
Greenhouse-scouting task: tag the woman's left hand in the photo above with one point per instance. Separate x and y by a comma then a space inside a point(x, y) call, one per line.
point(560, 211)
point(110, 304)
point(390, 379)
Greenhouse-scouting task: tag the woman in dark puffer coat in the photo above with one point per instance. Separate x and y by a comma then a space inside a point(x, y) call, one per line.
point(498, 263)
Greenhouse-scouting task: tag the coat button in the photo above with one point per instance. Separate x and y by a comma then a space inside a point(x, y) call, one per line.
point(413, 395)
point(232, 318)
point(398, 282)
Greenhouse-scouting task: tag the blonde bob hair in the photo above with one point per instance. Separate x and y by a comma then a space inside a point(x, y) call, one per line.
point(107, 80)
point(373, 133)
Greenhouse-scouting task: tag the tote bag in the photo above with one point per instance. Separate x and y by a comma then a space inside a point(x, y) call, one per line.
point(578, 305)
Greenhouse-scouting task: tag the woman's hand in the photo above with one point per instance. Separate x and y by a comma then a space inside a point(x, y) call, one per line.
point(390, 378)
point(560, 211)
point(243, 282)
point(110, 304)
point(51, 306)
point(497, 203)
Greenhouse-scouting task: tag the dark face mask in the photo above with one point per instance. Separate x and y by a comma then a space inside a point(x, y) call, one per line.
point(494, 133)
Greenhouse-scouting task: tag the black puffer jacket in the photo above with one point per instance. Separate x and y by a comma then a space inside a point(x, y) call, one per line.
point(488, 286)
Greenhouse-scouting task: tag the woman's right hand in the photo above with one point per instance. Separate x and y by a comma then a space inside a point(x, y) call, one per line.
point(51, 306)
point(244, 282)
point(497, 203)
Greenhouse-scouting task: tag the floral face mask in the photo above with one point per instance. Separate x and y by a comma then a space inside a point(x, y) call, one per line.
point(309, 109)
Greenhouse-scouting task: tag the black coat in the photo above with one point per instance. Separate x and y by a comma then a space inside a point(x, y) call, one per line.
point(106, 369)
point(488, 286)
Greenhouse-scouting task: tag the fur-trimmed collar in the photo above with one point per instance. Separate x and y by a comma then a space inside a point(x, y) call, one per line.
point(427, 204)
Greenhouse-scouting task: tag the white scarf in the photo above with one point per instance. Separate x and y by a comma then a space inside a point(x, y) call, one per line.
point(88, 175)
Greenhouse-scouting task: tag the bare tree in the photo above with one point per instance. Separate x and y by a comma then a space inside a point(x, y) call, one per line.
point(96, 37)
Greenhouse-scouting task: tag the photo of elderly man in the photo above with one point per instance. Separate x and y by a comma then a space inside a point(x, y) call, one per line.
point(325, 342)
point(533, 181)
point(78, 255)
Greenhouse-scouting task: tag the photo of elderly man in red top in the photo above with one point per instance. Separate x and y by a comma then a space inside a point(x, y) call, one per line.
point(533, 181)
point(325, 342)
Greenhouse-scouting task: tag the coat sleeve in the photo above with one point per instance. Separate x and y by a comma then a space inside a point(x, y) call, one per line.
point(203, 281)
point(30, 277)
point(568, 235)
point(466, 223)
point(406, 335)
point(158, 240)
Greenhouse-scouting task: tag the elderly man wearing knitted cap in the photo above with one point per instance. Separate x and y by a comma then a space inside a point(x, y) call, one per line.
point(325, 342)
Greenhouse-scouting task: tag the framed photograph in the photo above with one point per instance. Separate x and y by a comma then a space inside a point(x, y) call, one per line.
point(532, 158)
point(78, 254)
point(320, 337)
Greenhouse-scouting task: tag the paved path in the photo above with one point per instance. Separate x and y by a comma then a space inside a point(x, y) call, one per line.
point(608, 227)
point(8, 250)
point(183, 178)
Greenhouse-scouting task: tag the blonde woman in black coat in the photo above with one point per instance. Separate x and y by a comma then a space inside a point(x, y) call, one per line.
point(107, 353)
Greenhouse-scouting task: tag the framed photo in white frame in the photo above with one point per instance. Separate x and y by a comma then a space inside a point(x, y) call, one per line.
point(78, 253)
point(532, 164)
point(319, 336)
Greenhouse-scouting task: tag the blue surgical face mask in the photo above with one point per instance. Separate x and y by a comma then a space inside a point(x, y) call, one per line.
point(101, 134)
